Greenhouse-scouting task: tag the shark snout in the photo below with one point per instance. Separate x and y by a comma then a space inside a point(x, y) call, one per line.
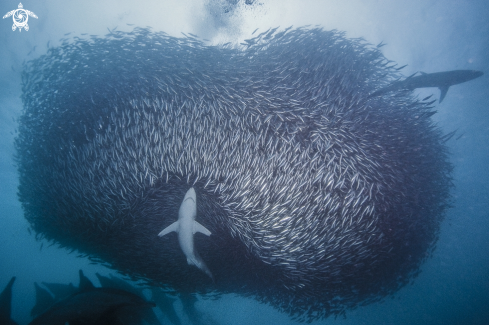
point(477, 74)
point(190, 195)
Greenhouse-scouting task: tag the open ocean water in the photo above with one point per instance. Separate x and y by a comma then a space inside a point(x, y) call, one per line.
point(428, 36)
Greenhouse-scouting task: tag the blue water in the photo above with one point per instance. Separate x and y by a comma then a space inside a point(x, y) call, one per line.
point(429, 36)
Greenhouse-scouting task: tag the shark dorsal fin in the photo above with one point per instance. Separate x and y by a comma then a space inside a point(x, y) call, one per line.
point(44, 300)
point(411, 76)
point(6, 301)
point(443, 92)
point(105, 282)
point(85, 283)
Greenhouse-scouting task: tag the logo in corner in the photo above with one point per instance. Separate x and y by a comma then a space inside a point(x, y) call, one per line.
point(20, 17)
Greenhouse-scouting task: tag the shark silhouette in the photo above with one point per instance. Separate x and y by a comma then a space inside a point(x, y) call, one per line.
point(441, 80)
point(91, 305)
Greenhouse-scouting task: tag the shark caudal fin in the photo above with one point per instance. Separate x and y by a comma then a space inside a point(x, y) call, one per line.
point(199, 263)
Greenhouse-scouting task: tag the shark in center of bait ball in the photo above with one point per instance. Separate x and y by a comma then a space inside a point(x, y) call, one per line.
point(186, 226)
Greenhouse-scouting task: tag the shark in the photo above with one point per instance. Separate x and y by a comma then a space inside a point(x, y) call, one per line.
point(186, 226)
point(92, 305)
point(441, 80)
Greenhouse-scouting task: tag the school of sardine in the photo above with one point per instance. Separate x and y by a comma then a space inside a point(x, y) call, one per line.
point(319, 197)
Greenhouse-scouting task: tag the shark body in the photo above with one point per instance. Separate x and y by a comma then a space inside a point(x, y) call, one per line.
point(186, 227)
point(441, 80)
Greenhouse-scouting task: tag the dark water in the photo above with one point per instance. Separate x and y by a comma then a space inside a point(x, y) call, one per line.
point(429, 36)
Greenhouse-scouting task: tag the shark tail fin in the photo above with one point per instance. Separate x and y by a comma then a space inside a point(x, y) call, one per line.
point(443, 90)
point(169, 229)
point(199, 263)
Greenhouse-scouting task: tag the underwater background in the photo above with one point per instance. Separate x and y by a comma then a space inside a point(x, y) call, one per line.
point(428, 36)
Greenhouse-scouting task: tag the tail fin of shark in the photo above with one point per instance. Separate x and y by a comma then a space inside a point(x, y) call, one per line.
point(199, 262)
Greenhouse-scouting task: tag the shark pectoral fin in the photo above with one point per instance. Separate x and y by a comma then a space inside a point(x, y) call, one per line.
point(169, 229)
point(199, 228)
point(443, 91)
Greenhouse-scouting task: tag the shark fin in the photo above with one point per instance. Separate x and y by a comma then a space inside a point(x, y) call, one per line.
point(6, 301)
point(199, 263)
point(44, 300)
point(412, 75)
point(165, 304)
point(85, 283)
point(169, 229)
point(443, 91)
point(199, 228)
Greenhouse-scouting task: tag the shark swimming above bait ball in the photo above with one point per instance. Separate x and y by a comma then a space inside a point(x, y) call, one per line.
point(320, 174)
point(441, 80)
